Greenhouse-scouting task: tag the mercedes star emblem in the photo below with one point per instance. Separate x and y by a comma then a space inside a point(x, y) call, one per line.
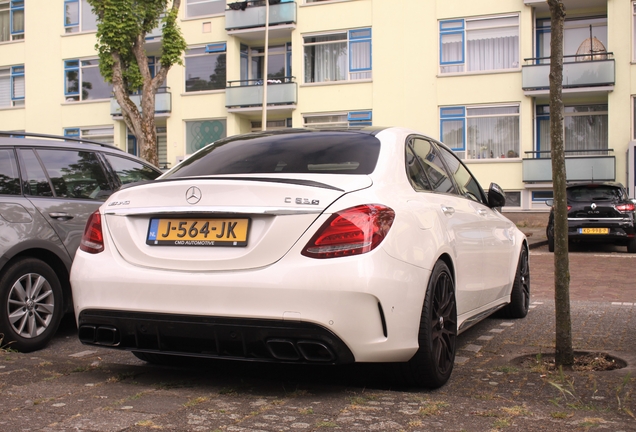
point(193, 195)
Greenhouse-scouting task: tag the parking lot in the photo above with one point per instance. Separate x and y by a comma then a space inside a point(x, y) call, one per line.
point(68, 386)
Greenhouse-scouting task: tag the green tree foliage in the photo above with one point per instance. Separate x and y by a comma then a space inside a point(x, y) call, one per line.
point(122, 26)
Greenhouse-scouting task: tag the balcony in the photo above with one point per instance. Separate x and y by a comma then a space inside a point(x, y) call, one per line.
point(163, 103)
point(247, 19)
point(597, 165)
point(582, 73)
point(247, 95)
point(541, 6)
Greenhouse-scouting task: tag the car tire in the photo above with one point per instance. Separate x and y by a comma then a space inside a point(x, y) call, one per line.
point(520, 294)
point(432, 364)
point(550, 235)
point(631, 245)
point(31, 305)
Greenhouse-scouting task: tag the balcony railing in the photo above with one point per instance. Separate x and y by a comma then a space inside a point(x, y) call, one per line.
point(163, 102)
point(248, 93)
point(580, 165)
point(587, 70)
point(251, 14)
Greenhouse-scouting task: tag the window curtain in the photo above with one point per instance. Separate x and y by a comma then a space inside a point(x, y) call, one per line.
point(492, 49)
point(326, 62)
point(493, 137)
point(360, 58)
point(587, 132)
point(452, 51)
point(5, 26)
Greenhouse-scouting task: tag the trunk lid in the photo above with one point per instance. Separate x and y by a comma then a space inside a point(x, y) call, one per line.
point(218, 223)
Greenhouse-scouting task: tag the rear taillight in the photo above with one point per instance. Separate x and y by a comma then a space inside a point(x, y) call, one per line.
point(353, 231)
point(628, 207)
point(569, 207)
point(93, 239)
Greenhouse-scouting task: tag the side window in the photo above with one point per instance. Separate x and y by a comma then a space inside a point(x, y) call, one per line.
point(130, 171)
point(9, 178)
point(433, 166)
point(36, 181)
point(75, 174)
point(415, 172)
point(465, 181)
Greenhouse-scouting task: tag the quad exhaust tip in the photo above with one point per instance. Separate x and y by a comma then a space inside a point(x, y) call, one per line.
point(288, 350)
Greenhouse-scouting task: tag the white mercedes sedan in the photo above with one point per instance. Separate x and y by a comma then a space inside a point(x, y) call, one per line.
point(303, 246)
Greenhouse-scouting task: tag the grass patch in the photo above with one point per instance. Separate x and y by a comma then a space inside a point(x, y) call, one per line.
point(432, 408)
point(326, 424)
point(195, 401)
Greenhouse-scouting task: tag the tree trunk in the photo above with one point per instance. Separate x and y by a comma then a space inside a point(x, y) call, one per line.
point(564, 354)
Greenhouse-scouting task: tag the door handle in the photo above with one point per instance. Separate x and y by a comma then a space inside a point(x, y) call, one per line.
point(61, 216)
point(482, 212)
point(448, 211)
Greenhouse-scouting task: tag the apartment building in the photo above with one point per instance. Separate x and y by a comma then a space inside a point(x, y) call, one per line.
point(473, 74)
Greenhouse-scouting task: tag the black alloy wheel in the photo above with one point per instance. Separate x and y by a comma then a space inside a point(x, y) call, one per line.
point(432, 364)
point(520, 293)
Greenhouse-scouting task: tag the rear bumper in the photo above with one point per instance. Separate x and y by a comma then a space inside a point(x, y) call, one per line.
point(619, 232)
point(215, 337)
point(361, 309)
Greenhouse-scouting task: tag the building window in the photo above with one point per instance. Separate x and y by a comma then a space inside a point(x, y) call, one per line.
point(205, 68)
point(481, 132)
point(11, 20)
point(271, 125)
point(83, 81)
point(542, 196)
point(581, 36)
point(586, 130)
point(79, 16)
point(102, 134)
point(352, 119)
point(479, 44)
point(253, 63)
point(196, 8)
point(634, 117)
point(513, 198)
point(12, 86)
point(203, 132)
point(162, 146)
point(634, 31)
point(338, 56)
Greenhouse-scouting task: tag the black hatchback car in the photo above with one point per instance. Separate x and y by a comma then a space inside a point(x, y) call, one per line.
point(48, 188)
point(597, 212)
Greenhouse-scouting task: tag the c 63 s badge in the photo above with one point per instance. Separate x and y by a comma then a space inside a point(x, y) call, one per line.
point(302, 201)
point(117, 203)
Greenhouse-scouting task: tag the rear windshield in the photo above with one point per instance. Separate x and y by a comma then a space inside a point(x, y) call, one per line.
point(293, 153)
point(595, 193)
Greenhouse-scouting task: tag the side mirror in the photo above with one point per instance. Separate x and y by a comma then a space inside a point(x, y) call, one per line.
point(549, 202)
point(496, 196)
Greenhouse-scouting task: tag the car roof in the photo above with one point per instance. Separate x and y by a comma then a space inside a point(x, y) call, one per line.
point(23, 139)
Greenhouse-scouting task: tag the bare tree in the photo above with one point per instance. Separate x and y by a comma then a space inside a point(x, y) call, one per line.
point(564, 354)
point(122, 26)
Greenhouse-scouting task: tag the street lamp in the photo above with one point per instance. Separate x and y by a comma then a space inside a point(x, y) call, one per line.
point(264, 118)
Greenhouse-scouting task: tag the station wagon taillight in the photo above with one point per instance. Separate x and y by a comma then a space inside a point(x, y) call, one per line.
point(353, 231)
point(93, 239)
point(627, 207)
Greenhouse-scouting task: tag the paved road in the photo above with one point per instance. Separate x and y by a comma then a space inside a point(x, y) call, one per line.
point(73, 387)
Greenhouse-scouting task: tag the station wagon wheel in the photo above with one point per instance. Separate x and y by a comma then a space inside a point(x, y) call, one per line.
point(30, 305)
point(432, 364)
point(520, 294)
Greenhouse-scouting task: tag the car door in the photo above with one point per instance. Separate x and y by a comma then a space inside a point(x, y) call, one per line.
point(457, 217)
point(65, 186)
point(498, 241)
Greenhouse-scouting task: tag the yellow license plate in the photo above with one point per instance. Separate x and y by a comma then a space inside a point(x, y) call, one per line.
point(198, 232)
point(594, 230)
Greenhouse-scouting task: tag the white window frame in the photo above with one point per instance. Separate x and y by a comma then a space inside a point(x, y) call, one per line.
point(81, 66)
point(463, 113)
point(353, 38)
point(460, 27)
